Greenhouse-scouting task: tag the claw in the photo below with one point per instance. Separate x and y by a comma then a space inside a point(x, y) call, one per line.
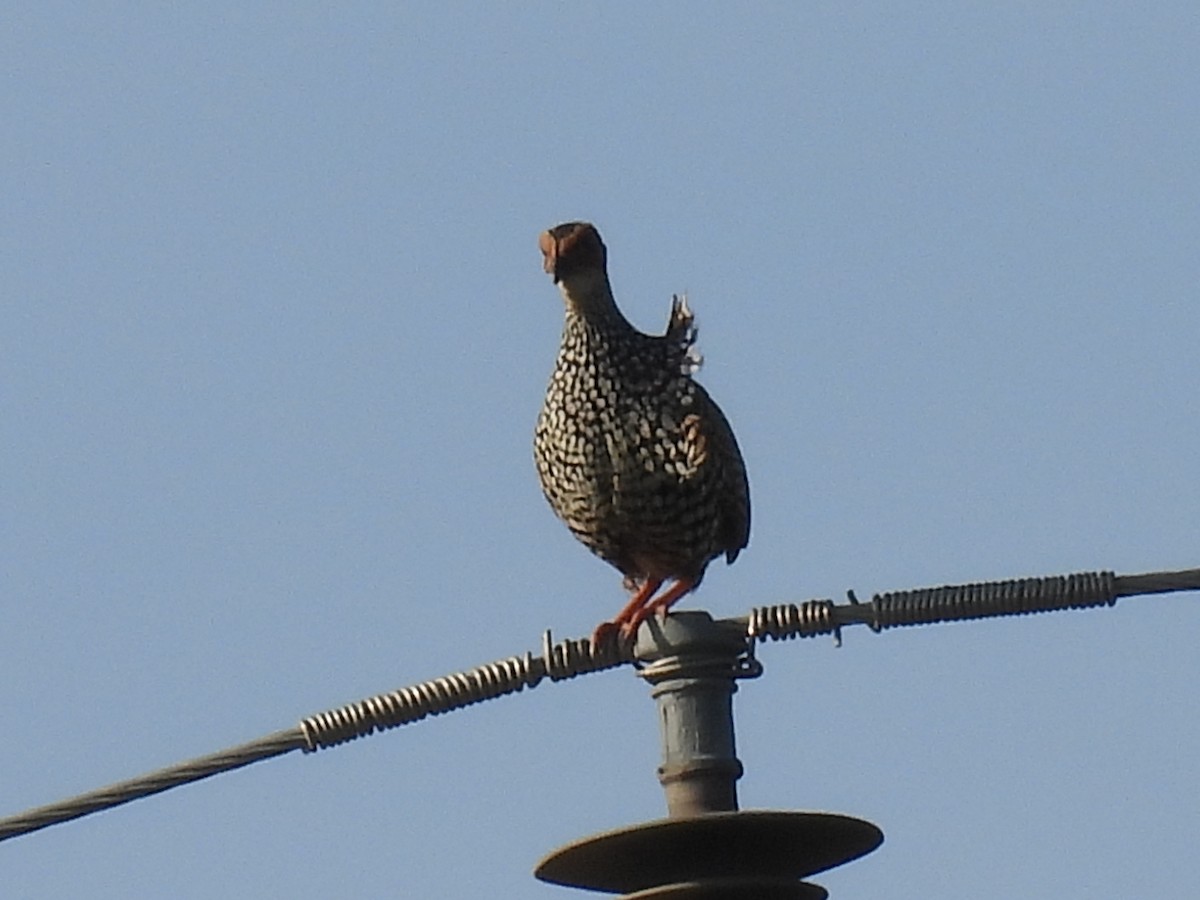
point(641, 606)
point(629, 629)
point(605, 635)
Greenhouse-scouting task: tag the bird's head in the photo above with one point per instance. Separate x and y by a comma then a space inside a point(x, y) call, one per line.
point(573, 251)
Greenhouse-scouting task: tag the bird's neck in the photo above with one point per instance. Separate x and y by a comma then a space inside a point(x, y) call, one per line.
point(588, 296)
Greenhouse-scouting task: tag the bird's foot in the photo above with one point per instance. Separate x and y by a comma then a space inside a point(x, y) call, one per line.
point(606, 636)
point(658, 607)
point(629, 628)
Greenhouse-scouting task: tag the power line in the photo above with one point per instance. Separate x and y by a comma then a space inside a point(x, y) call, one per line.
point(569, 658)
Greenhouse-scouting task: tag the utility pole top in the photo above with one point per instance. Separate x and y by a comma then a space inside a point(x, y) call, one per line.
point(706, 848)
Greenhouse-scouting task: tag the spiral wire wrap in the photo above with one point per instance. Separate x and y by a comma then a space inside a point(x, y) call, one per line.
point(440, 695)
point(952, 602)
point(1017, 597)
point(790, 620)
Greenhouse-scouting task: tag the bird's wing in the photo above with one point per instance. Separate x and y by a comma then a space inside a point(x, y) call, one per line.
point(712, 433)
point(712, 430)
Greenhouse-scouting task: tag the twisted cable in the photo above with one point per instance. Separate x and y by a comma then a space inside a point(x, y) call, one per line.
point(153, 783)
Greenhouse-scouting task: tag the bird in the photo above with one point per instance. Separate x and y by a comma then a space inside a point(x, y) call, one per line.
point(632, 454)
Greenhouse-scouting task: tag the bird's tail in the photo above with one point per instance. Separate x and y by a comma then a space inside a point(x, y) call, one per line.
point(681, 332)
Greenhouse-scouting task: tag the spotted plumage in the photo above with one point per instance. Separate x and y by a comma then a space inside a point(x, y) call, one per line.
point(633, 455)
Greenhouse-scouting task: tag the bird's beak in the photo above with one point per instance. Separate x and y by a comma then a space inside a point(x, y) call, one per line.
point(549, 248)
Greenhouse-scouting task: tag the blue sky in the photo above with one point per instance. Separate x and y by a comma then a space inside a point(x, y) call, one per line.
point(276, 334)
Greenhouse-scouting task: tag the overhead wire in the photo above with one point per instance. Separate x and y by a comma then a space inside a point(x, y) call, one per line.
point(566, 659)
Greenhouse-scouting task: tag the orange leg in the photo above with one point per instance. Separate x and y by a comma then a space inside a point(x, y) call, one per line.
point(659, 605)
point(631, 609)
